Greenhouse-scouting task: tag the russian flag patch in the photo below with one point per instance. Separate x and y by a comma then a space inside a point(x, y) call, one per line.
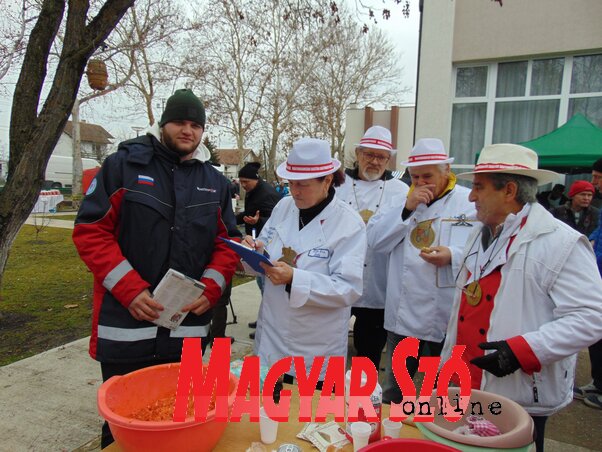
point(146, 180)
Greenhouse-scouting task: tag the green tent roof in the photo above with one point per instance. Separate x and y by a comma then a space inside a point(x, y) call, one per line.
point(576, 144)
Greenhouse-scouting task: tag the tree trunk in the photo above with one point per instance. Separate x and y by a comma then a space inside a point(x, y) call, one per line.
point(34, 135)
point(76, 185)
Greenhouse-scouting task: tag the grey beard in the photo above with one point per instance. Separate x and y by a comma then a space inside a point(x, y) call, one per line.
point(371, 177)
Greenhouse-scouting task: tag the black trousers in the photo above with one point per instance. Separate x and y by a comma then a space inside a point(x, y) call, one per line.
point(369, 334)
point(595, 358)
point(220, 314)
point(540, 427)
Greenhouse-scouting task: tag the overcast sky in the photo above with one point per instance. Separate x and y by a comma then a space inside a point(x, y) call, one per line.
point(403, 32)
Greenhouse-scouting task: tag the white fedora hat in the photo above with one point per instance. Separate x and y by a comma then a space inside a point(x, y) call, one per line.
point(309, 159)
point(377, 137)
point(428, 151)
point(511, 159)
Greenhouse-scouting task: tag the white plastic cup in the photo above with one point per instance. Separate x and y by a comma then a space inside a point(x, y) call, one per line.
point(268, 428)
point(392, 428)
point(360, 432)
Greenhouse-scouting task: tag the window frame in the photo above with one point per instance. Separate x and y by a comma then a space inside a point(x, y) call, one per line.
point(565, 96)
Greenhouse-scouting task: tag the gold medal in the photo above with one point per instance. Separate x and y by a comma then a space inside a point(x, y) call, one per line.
point(423, 235)
point(366, 214)
point(288, 256)
point(473, 293)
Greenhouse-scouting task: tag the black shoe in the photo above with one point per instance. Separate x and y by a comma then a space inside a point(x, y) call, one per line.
point(253, 324)
point(252, 335)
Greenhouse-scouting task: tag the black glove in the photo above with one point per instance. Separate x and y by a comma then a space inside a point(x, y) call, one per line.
point(500, 363)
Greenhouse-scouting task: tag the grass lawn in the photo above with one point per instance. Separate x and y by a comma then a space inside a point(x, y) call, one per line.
point(46, 298)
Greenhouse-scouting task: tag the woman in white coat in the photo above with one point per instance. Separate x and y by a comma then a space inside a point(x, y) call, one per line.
point(317, 244)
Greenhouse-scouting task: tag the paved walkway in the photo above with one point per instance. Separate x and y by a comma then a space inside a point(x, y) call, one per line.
point(48, 401)
point(52, 222)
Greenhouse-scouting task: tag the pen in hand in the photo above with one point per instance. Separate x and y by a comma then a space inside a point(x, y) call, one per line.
point(254, 236)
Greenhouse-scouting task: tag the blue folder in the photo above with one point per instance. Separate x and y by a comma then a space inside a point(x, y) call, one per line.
point(251, 257)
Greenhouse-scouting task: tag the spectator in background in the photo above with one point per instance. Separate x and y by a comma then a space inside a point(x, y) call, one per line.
point(282, 189)
point(596, 181)
point(235, 187)
point(591, 393)
point(369, 188)
point(260, 199)
point(577, 211)
point(552, 198)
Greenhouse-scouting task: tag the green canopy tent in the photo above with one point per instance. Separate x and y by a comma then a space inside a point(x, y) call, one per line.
point(571, 148)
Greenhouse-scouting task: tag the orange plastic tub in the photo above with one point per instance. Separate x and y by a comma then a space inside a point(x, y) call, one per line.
point(123, 395)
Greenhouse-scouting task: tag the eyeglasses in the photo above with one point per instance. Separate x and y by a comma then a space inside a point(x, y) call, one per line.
point(370, 156)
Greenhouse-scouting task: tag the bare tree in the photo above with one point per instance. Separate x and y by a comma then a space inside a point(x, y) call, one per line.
point(147, 50)
point(230, 71)
point(16, 21)
point(297, 39)
point(357, 68)
point(34, 131)
point(139, 53)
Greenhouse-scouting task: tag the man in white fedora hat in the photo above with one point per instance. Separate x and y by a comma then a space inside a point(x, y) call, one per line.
point(424, 235)
point(529, 295)
point(368, 188)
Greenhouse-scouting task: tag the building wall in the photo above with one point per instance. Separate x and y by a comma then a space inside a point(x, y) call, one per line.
point(354, 130)
point(356, 124)
point(484, 30)
point(434, 90)
point(468, 31)
point(64, 147)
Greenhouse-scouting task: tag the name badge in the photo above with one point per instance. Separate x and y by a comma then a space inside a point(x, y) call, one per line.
point(322, 253)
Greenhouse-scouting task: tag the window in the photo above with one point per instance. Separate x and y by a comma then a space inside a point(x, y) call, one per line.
point(517, 101)
point(590, 107)
point(511, 79)
point(514, 122)
point(587, 74)
point(468, 131)
point(547, 77)
point(471, 81)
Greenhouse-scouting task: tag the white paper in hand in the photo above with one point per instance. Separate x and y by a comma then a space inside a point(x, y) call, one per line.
point(175, 291)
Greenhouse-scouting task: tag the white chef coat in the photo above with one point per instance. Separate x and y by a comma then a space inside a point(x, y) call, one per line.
point(311, 320)
point(419, 295)
point(375, 196)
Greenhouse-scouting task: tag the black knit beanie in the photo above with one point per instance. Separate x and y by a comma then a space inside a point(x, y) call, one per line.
point(250, 170)
point(183, 105)
point(597, 166)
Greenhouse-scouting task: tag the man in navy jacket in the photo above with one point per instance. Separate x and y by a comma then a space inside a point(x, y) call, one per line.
point(156, 204)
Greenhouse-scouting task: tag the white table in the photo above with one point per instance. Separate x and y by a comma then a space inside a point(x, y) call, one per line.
point(47, 201)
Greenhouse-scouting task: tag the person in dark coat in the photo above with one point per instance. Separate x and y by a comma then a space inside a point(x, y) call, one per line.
point(578, 212)
point(260, 198)
point(552, 198)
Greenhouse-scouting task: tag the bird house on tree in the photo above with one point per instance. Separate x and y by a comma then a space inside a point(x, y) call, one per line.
point(98, 77)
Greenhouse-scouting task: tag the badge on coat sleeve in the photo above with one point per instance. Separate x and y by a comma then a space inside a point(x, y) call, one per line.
point(366, 214)
point(423, 235)
point(289, 256)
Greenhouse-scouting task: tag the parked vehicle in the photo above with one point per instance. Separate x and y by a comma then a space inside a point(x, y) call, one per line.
point(59, 172)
